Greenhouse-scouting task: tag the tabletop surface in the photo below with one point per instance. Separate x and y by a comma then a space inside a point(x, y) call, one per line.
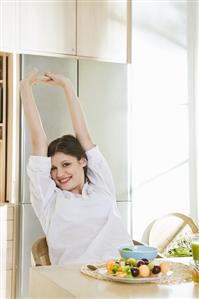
point(73, 284)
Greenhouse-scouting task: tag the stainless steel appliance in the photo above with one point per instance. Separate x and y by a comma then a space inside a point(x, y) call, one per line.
point(102, 90)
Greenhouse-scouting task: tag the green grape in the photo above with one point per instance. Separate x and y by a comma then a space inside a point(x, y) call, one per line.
point(115, 268)
point(132, 262)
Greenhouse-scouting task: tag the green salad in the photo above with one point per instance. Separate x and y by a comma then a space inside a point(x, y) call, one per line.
point(179, 252)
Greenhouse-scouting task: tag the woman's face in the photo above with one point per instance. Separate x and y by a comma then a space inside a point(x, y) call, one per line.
point(68, 172)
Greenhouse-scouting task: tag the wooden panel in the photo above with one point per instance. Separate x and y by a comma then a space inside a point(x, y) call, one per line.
point(8, 226)
point(6, 256)
point(13, 130)
point(5, 285)
point(54, 28)
point(102, 29)
point(1, 172)
point(3, 137)
point(6, 230)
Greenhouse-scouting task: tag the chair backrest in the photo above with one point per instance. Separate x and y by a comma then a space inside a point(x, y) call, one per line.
point(135, 242)
point(40, 253)
point(169, 228)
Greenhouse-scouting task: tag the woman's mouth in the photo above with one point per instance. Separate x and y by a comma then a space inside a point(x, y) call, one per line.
point(65, 180)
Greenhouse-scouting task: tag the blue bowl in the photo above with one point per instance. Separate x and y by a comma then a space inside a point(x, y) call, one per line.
point(138, 252)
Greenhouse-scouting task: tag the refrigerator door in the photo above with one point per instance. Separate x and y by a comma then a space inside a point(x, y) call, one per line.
point(56, 121)
point(51, 104)
point(103, 92)
point(30, 230)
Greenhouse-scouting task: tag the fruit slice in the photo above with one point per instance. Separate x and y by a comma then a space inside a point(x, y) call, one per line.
point(164, 267)
point(144, 271)
point(109, 265)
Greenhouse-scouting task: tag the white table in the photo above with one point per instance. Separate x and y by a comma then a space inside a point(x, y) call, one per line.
point(68, 282)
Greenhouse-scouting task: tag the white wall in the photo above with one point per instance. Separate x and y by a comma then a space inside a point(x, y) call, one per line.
point(193, 79)
point(159, 135)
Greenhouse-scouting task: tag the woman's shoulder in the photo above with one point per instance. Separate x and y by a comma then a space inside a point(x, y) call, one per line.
point(39, 163)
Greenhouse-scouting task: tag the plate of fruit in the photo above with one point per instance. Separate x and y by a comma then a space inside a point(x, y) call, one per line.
point(134, 271)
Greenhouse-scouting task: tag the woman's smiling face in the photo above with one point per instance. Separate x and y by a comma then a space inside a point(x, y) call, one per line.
point(68, 172)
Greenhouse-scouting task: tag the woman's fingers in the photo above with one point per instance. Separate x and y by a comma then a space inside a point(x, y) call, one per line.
point(40, 79)
point(50, 75)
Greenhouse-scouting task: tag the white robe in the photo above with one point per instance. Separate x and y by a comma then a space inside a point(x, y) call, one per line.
point(80, 228)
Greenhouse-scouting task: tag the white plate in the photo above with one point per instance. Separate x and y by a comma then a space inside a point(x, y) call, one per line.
point(157, 277)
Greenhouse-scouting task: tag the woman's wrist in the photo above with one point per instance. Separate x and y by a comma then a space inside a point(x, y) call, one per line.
point(69, 90)
point(25, 84)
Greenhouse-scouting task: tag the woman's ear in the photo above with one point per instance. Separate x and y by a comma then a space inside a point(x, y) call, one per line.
point(83, 162)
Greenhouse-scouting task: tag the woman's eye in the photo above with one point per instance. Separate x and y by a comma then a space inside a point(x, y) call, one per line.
point(66, 164)
point(52, 169)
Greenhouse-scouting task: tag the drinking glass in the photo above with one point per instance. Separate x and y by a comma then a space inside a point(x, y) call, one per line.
point(195, 248)
point(194, 271)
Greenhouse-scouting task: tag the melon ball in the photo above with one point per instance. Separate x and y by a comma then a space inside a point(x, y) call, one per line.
point(164, 267)
point(144, 271)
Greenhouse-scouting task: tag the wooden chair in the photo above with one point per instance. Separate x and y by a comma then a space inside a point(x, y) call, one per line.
point(169, 228)
point(40, 253)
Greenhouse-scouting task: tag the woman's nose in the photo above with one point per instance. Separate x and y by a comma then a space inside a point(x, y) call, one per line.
point(60, 172)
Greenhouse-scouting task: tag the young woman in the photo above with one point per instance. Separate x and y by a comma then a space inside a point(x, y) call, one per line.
point(71, 186)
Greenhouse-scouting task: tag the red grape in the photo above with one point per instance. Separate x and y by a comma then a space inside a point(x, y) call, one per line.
point(145, 261)
point(156, 270)
point(139, 263)
point(135, 272)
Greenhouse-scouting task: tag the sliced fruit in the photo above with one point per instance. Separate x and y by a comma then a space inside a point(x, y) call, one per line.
point(164, 267)
point(144, 271)
point(109, 265)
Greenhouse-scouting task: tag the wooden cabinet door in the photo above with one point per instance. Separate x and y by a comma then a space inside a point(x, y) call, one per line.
point(8, 251)
point(9, 33)
point(48, 26)
point(103, 29)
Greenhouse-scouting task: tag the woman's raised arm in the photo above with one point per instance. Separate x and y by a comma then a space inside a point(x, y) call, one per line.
point(76, 112)
point(37, 134)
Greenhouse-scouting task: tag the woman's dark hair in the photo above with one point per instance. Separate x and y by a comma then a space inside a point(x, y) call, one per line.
point(69, 145)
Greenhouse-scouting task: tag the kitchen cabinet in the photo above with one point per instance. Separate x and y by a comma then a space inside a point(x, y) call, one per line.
point(48, 26)
point(10, 33)
point(104, 30)
point(8, 226)
point(9, 128)
point(99, 30)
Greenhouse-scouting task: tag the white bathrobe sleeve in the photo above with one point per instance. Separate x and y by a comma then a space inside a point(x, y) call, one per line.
point(43, 190)
point(98, 171)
